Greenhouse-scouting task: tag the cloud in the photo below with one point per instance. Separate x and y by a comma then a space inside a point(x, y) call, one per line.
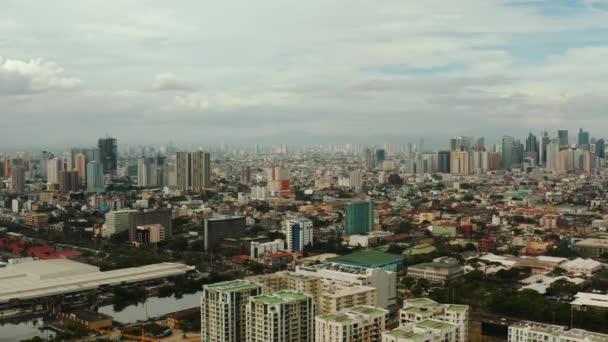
point(231, 102)
point(170, 82)
point(33, 76)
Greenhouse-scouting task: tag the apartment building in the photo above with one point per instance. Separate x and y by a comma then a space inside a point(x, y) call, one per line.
point(285, 316)
point(358, 324)
point(421, 309)
point(429, 330)
point(539, 332)
point(223, 310)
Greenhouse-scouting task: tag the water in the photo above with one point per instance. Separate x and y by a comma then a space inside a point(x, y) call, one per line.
point(153, 307)
point(11, 332)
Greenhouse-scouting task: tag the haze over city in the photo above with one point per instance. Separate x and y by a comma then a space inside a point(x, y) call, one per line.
point(197, 72)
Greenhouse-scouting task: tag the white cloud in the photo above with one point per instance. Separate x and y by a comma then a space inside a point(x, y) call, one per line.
point(33, 76)
point(168, 81)
point(231, 102)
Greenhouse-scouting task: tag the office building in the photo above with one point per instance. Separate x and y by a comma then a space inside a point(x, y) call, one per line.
point(429, 330)
point(461, 143)
point(95, 181)
point(583, 138)
point(358, 324)
point(299, 232)
point(150, 233)
point(68, 181)
point(108, 154)
point(193, 170)
point(245, 174)
point(359, 217)
point(600, 148)
point(218, 228)
point(562, 136)
point(17, 174)
point(224, 310)
point(81, 166)
point(7, 168)
point(380, 156)
point(150, 171)
point(444, 161)
point(36, 220)
point(420, 309)
point(163, 217)
point(285, 316)
point(544, 142)
point(539, 332)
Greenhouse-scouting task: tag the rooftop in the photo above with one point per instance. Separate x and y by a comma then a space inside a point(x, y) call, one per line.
point(281, 297)
point(368, 258)
point(233, 286)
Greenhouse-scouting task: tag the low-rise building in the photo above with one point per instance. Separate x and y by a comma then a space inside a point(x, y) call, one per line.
point(436, 272)
point(429, 330)
point(539, 332)
point(420, 309)
point(591, 247)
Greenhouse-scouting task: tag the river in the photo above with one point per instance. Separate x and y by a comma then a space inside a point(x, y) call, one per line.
point(153, 307)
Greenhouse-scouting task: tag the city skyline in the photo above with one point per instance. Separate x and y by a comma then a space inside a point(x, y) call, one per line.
point(200, 72)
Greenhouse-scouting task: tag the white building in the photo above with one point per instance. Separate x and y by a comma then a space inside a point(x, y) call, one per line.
point(259, 193)
point(580, 266)
point(539, 332)
point(384, 281)
point(258, 249)
point(116, 222)
point(362, 323)
point(299, 233)
point(429, 330)
point(224, 308)
point(54, 166)
point(356, 179)
point(421, 309)
point(284, 316)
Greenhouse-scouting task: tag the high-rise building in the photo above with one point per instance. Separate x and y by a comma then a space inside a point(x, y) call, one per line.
point(17, 178)
point(245, 174)
point(544, 142)
point(583, 138)
point(509, 152)
point(95, 182)
point(443, 161)
point(68, 181)
point(380, 156)
point(193, 170)
point(81, 166)
point(150, 233)
point(150, 171)
point(361, 323)
point(461, 143)
point(224, 310)
point(108, 150)
point(163, 217)
point(553, 148)
point(116, 221)
point(285, 316)
point(369, 158)
point(7, 168)
point(218, 228)
point(562, 135)
point(359, 217)
point(299, 232)
point(600, 148)
point(356, 180)
point(277, 180)
point(54, 166)
point(532, 147)
point(460, 163)
point(426, 330)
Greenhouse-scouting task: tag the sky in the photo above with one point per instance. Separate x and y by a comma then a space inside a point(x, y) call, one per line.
point(299, 72)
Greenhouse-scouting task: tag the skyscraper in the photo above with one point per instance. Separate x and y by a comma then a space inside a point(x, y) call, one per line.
point(245, 174)
point(544, 141)
point(285, 316)
point(193, 170)
point(562, 135)
point(108, 150)
point(600, 149)
point(509, 152)
point(95, 181)
point(150, 171)
point(583, 138)
point(443, 161)
point(461, 143)
point(460, 163)
point(17, 178)
point(359, 217)
point(68, 181)
point(552, 158)
point(224, 310)
point(380, 156)
point(81, 166)
point(54, 166)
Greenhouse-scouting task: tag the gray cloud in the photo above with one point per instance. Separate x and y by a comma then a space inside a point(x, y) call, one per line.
point(170, 82)
point(33, 76)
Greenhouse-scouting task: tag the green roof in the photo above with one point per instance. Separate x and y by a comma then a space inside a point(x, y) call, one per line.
point(434, 324)
point(337, 318)
point(233, 286)
point(368, 257)
point(368, 310)
point(422, 301)
point(400, 333)
point(457, 308)
point(281, 297)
